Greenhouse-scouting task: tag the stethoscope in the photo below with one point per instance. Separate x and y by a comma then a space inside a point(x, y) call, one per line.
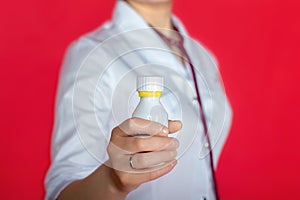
point(180, 45)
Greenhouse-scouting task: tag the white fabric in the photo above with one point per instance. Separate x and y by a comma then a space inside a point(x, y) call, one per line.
point(96, 93)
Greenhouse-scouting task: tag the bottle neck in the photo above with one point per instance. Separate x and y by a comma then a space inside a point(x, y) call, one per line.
point(150, 96)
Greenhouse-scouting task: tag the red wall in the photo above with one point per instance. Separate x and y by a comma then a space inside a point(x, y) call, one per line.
point(258, 47)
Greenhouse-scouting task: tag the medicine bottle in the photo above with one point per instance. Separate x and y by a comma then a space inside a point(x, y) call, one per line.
point(150, 90)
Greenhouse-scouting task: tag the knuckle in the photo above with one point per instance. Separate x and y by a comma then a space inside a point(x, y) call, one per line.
point(132, 122)
point(109, 148)
point(113, 148)
point(114, 132)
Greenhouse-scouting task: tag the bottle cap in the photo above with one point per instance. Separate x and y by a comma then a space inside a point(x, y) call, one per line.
point(150, 83)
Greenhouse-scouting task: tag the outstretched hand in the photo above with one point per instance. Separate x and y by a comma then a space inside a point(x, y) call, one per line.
point(140, 151)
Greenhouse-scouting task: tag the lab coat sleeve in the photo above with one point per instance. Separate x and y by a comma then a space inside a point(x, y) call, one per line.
point(70, 159)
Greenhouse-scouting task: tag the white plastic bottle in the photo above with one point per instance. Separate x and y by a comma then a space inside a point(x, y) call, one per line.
point(150, 90)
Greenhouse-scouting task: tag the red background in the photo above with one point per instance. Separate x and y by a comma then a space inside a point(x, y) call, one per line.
point(258, 47)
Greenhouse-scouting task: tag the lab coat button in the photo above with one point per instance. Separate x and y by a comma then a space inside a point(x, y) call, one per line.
point(206, 145)
point(195, 100)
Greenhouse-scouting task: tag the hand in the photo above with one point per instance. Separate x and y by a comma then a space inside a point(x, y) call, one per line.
point(152, 153)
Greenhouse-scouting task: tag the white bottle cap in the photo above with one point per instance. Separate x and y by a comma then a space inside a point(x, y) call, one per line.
point(150, 83)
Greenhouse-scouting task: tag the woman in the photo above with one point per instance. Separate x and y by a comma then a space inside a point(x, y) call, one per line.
point(115, 164)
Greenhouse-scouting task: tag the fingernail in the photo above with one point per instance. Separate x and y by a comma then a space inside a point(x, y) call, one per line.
point(165, 130)
point(174, 163)
point(174, 143)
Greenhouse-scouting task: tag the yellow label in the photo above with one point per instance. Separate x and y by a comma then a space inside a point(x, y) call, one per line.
point(150, 93)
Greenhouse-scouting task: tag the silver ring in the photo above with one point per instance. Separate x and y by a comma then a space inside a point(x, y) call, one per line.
point(130, 162)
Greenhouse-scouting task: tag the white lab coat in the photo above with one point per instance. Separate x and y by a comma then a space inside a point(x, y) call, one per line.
point(97, 92)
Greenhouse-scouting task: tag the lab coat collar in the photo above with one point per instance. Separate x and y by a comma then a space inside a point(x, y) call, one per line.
point(128, 19)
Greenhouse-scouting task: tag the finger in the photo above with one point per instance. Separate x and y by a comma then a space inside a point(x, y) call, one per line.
point(151, 159)
point(137, 144)
point(154, 173)
point(142, 127)
point(162, 171)
point(174, 126)
point(134, 178)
